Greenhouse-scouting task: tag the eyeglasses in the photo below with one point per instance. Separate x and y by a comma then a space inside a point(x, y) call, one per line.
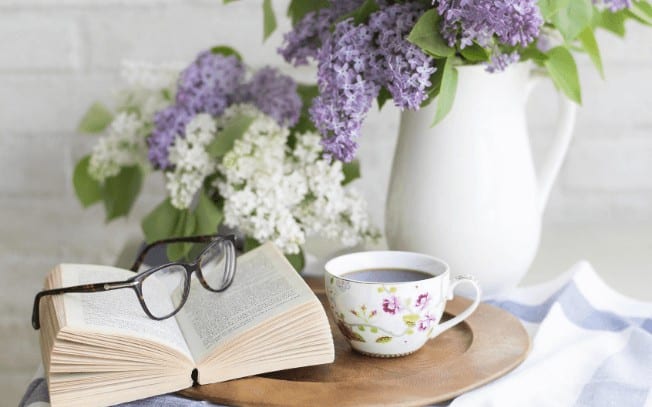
point(215, 268)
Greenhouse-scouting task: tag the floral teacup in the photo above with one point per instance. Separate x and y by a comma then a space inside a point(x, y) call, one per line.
point(389, 303)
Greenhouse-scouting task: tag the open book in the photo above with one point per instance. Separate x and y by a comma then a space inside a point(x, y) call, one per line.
point(102, 349)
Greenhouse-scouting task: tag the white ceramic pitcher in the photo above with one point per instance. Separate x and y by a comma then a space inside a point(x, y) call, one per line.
point(466, 190)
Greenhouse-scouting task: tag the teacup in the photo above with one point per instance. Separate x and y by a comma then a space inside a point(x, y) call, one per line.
point(390, 303)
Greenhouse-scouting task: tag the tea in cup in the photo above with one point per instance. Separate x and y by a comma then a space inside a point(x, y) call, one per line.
point(390, 303)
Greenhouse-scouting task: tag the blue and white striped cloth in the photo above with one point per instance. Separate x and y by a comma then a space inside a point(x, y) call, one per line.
point(590, 347)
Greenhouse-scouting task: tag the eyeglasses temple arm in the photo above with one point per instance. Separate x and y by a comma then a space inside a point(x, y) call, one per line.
point(85, 288)
point(189, 239)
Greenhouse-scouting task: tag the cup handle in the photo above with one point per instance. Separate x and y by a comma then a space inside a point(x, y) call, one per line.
point(463, 315)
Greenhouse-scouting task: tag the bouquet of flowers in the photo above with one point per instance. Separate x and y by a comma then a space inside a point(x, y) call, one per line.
point(408, 50)
point(235, 149)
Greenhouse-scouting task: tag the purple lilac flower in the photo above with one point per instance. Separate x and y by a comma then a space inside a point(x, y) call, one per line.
point(614, 5)
point(544, 43)
point(345, 95)
point(274, 94)
point(499, 61)
point(168, 123)
point(355, 62)
point(303, 42)
point(308, 34)
point(207, 84)
point(512, 22)
point(401, 66)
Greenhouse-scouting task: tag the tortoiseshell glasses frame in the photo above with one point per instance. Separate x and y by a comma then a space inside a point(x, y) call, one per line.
point(225, 243)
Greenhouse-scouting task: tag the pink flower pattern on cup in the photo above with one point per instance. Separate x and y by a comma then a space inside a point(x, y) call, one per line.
point(414, 314)
point(391, 305)
point(425, 323)
point(422, 301)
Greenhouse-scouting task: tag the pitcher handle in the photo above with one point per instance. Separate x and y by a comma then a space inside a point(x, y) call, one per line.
point(557, 151)
point(464, 314)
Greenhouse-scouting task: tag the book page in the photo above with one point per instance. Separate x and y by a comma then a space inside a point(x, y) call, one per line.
point(116, 311)
point(265, 284)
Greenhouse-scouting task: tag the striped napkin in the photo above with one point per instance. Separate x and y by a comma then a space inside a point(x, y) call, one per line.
point(590, 347)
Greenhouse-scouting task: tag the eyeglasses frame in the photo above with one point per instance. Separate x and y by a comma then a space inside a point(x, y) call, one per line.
point(136, 281)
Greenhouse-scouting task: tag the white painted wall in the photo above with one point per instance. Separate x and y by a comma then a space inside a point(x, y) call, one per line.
point(58, 56)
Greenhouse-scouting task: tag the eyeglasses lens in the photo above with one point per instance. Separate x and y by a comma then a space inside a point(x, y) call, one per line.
point(216, 264)
point(163, 290)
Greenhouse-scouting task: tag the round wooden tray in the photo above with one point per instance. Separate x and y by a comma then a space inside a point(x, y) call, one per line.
point(490, 343)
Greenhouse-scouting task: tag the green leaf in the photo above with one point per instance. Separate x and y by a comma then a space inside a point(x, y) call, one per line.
point(590, 45)
point(269, 19)
point(250, 243)
point(234, 129)
point(384, 339)
point(425, 35)
point(411, 319)
point(299, 8)
point(383, 97)
point(96, 119)
point(551, 7)
point(435, 80)
point(209, 216)
point(167, 95)
point(533, 53)
point(160, 223)
point(298, 261)
point(120, 191)
point(362, 13)
point(307, 93)
point(641, 11)
point(447, 91)
point(87, 189)
point(614, 22)
point(226, 51)
point(475, 53)
point(563, 71)
point(351, 171)
point(186, 224)
point(644, 6)
point(573, 19)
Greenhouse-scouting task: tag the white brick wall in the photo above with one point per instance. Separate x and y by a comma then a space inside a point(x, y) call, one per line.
point(58, 56)
point(22, 32)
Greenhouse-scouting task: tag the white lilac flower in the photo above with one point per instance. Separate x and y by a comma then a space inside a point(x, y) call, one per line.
point(192, 164)
point(151, 87)
point(307, 148)
point(273, 193)
point(123, 145)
